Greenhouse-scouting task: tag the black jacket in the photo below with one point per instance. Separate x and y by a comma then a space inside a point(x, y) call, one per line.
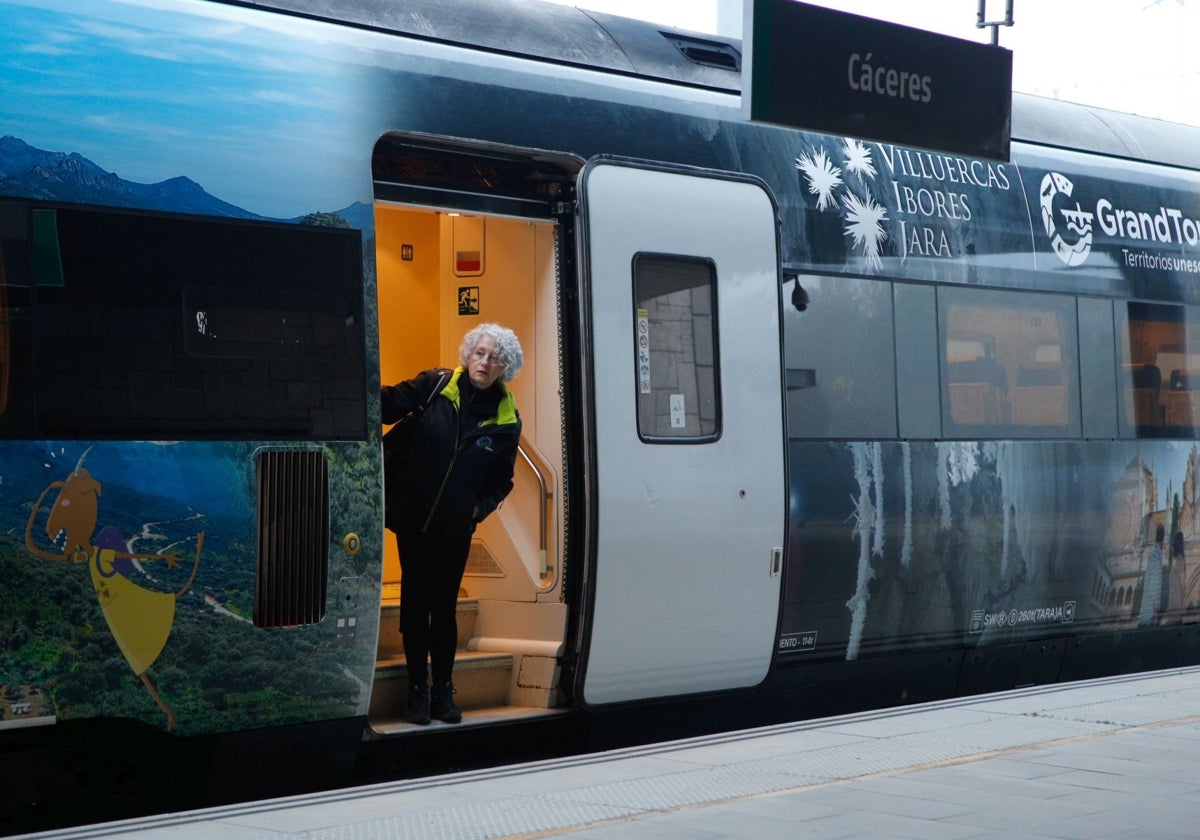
point(457, 456)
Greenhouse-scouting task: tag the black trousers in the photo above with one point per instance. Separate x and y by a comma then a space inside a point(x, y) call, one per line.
point(431, 571)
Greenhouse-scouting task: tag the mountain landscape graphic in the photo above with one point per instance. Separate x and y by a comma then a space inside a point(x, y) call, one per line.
point(30, 172)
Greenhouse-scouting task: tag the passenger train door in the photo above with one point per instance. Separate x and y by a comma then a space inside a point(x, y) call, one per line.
point(685, 463)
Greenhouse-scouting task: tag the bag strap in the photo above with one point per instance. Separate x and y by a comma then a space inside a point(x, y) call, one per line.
point(416, 411)
point(443, 375)
point(419, 409)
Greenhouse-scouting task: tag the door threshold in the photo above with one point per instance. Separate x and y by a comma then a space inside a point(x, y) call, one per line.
point(384, 727)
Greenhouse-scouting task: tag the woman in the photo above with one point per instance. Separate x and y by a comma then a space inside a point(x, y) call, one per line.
point(454, 467)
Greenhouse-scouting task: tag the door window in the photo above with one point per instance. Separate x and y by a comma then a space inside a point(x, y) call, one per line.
point(676, 352)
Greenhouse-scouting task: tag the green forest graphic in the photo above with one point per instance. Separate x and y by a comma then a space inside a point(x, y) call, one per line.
point(217, 672)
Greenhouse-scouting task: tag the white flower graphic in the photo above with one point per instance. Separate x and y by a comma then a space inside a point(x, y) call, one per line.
point(858, 158)
point(864, 222)
point(822, 176)
point(862, 215)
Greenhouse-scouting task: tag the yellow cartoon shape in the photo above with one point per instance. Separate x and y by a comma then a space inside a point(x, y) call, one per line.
point(140, 619)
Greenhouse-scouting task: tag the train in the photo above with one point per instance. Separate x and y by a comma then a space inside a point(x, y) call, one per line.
point(811, 424)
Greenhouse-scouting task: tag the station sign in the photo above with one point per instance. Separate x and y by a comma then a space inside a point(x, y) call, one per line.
point(838, 73)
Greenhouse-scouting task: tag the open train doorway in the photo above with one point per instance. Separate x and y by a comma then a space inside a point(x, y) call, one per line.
point(466, 234)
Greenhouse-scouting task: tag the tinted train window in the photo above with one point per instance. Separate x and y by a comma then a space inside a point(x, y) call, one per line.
point(1159, 378)
point(168, 327)
point(1008, 364)
point(841, 360)
point(16, 367)
point(676, 353)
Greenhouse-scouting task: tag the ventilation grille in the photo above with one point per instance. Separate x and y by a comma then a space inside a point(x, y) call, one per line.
point(707, 53)
point(293, 538)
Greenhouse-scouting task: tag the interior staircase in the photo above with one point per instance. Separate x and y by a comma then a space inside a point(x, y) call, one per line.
point(488, 684)
point(481, 680)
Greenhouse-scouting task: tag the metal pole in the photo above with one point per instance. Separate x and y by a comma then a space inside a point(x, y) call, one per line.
point(981, 21)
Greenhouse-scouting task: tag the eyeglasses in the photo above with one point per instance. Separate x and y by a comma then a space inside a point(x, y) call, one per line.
point(492, 358)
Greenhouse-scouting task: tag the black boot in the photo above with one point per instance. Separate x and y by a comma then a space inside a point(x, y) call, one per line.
point(443, 703)
point(418, 704)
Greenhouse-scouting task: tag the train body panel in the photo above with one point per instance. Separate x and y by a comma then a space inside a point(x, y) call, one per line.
point(971, 378)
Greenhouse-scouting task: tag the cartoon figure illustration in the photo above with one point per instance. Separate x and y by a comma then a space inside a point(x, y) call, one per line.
point(140, 619)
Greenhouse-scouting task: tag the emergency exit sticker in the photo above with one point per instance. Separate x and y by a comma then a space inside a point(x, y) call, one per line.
point(468, 300)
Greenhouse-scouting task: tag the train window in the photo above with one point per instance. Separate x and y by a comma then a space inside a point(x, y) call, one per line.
point(14, 244)
point(16, 375)
point(1159, 378)
point(174, 327)
point(841, 360)
point(676, 348)
point(1008, 366)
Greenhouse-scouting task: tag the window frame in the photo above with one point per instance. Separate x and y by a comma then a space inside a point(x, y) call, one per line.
point(642, 258)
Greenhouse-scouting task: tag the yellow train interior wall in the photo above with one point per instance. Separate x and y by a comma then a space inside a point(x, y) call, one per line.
point(420, 326)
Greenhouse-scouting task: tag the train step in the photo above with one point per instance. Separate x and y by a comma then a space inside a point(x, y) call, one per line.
point(481, 680)
point(494, 682)
point(391, 641)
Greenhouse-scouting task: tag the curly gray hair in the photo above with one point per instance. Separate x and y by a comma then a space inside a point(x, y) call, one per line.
point(508, 348)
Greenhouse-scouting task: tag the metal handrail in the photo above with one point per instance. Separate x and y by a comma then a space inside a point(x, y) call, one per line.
point(544, 562)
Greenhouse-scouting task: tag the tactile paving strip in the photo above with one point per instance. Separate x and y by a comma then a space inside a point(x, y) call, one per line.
point(471, 821)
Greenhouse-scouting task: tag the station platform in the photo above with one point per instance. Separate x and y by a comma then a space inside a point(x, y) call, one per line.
point(1115, 759)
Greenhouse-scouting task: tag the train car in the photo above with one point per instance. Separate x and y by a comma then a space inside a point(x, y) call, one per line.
point(812, 424)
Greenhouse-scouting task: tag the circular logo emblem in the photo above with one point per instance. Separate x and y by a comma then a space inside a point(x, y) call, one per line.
point(1069, 228)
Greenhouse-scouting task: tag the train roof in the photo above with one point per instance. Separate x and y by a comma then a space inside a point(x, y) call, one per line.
point(613, 44)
